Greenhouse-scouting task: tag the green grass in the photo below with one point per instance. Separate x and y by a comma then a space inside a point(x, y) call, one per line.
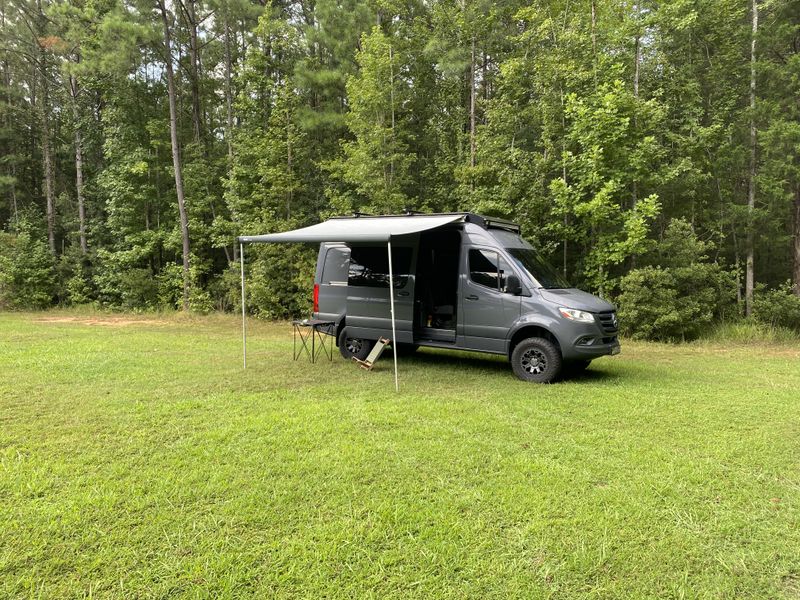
point(139, 460)
point(750, 332)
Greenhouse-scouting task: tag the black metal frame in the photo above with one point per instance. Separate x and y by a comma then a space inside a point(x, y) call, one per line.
point(317, 329)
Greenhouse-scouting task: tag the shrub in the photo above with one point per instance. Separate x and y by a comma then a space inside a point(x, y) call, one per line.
point(279, 280)
point(678, 298)
point(27, 272)
point(75, 279)
point(778, 307)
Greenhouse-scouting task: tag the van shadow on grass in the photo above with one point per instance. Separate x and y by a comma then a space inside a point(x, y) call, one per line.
point(490, 364)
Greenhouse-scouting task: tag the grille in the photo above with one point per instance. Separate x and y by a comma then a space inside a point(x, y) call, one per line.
point(608, 321)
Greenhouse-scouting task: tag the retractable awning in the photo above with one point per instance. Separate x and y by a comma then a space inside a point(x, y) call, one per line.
point(357, 229)
point(352, 230)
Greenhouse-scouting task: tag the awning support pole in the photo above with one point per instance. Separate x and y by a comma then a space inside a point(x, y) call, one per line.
point(244, 322)
point(391, 306)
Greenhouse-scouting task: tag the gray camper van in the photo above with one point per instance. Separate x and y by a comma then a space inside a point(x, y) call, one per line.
point(474, 284)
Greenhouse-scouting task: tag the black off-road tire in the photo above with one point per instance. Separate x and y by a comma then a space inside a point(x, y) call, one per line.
point(354, 347)
point(537, 360)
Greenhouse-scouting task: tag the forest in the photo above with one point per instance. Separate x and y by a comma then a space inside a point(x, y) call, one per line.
point(651, 150)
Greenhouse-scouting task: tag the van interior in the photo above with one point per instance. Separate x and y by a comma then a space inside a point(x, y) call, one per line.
point(436, 289)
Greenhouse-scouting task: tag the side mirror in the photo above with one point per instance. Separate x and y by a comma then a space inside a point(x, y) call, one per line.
point(513, 286)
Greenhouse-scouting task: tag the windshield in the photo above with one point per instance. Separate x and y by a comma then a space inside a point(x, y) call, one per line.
point(529, 259)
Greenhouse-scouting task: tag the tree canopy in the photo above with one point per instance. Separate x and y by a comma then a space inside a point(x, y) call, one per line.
point(137, 139)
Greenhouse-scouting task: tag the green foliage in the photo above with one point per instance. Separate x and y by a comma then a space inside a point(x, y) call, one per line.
point(27, 272)
point(375, 166)
point(680, 297)
point(779, 307)
point(74, 274)
point(594, 129)
point(280, 281)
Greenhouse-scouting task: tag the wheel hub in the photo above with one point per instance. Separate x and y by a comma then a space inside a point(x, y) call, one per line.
point(534, 361)
point(353, 345)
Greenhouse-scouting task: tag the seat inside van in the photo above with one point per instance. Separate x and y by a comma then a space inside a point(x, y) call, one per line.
point(437, 285)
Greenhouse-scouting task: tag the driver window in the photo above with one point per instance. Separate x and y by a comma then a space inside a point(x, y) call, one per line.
point(488, 269)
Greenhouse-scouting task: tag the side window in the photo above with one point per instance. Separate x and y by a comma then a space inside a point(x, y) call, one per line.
point(487, 268)
point(337, 263)
point(369, 266)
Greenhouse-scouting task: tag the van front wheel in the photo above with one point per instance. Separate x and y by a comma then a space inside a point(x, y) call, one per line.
point(536, 359)
point(354, 347)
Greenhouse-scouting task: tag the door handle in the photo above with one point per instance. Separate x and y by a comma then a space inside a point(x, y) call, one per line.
point(472, 297)
point(402, 293)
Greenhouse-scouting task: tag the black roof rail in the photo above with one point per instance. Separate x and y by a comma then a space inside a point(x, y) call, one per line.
point(491, 222)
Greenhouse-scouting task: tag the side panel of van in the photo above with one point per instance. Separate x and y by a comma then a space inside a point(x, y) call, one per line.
point(368, 307)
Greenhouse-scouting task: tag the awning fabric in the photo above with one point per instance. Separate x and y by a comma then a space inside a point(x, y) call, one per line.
point(357, 229)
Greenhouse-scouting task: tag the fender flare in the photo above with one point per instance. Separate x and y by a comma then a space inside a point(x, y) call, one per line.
point(340, 324)
point(532, 320)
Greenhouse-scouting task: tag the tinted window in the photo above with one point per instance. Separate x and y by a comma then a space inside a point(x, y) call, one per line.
point(337, 262)
point(530, 260)
point(369, 266)
point(487, 268)
point(533, 263)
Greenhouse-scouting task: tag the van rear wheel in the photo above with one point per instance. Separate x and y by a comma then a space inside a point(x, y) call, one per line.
point(537, 360)
point(354, 347)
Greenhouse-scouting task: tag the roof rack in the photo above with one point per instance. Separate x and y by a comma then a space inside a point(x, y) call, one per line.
point(485, 222)
point(502, 224)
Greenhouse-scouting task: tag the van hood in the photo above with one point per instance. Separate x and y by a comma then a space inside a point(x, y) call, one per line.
point(578, 299)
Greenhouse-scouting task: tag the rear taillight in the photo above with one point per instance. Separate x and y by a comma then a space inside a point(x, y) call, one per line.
point(316, 297)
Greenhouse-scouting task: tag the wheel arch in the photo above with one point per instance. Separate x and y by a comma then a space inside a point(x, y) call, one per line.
point(529, 330)
point(340, 324)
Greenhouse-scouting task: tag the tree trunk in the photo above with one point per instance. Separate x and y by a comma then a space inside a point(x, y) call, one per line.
point(637, 61)
point(12, 188)
point(391, 96)
point(472, 104)
point(194, 62)
point(594, 42)
point(751, 188)
point(176, 154)
point(289, 192)
point(79, 165)
point(564, 177)
point(47, 160)
point(796, 241)
point(228, 87)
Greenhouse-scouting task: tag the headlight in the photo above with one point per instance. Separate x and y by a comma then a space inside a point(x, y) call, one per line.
point(574, 314)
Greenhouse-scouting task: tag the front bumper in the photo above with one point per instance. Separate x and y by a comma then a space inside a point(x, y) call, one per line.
point(587, 341)
point(597, 350)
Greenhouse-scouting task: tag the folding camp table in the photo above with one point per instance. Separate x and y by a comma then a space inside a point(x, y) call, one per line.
point(313, 329)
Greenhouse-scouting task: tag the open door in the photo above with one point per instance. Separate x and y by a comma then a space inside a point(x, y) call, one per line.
point(436, 291)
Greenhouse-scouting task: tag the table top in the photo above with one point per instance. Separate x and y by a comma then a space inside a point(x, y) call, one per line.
point(312, 322)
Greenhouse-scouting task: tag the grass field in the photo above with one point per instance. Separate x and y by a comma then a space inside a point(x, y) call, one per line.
point(138, 460)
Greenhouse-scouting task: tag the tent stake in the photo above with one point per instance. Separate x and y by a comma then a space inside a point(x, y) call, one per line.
point(244, 326)
point(391, 305)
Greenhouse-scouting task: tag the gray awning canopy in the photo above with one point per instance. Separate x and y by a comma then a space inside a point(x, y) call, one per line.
point(363, 229)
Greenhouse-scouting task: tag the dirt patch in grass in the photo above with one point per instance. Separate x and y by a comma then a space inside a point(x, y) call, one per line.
point(104, 321)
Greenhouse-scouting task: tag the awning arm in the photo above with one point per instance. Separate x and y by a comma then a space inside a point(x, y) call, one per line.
point(244, 321)
point(391, 307)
